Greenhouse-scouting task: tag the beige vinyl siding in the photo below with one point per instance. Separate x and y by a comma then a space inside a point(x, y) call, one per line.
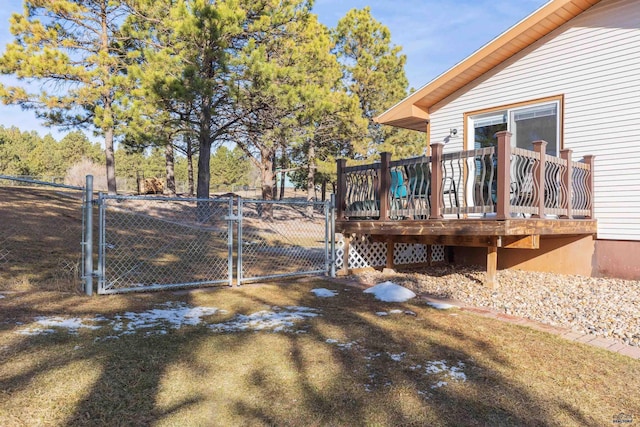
point(594, 61)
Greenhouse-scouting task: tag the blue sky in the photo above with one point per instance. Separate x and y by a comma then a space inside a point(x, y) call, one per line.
point(434, 35)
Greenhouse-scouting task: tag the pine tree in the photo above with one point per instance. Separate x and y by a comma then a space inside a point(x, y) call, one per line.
point(73, 49)
point(373, 71)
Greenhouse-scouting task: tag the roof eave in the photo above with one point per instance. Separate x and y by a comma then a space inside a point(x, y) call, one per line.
point(523, 34)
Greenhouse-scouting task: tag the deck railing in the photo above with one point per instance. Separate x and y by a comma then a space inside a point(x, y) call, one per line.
point(486, 182)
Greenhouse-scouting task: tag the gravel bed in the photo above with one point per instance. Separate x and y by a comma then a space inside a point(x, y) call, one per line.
point(600, 306)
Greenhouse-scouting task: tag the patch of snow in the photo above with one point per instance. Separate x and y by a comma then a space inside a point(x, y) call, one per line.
point(381, 313)
point(43, 325)
point(395, 311)
point(172, 313)
point(342, 346)
point(440, 305)
point(277, 320)
point(390, 292)
point(440, 367)
point(439, 384)
point(397, 357)
point(324, 293)
point(1, 296)
point(176, 314)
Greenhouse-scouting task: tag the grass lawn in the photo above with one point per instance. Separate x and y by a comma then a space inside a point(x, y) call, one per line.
point(277, 354)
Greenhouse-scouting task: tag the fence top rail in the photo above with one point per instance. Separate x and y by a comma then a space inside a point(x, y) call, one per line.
point(35, 181)
point(581, 165)
point(556, 160)
point(469, 153)
point(357, 168)
point(411, 161)
point(286, 202)
point(163, 198)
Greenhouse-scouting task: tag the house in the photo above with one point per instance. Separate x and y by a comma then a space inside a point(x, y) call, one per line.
point(568, 74)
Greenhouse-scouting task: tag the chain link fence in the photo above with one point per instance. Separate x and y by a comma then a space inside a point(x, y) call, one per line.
point(151, 243)
point(41, 230)
point(59, 237)
point(148, 243)
point(282, 238)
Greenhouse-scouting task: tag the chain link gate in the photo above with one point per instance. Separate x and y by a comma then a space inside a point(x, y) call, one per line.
point(151, 243)
point(282, 238)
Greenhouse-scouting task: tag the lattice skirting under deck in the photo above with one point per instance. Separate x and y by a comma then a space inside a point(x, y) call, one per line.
point(364, 252)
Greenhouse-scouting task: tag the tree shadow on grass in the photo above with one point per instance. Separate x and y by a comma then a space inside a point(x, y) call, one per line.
point(347, 366)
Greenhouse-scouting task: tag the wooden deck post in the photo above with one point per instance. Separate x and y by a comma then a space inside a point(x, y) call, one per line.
point(567, 183)
point(384, 183)
point(589, 160)
point(390, 247)
point(540, 147)
point(345, 253)
point(341, 190)
point(503, 205)
point(492, 264)
point(436, 180)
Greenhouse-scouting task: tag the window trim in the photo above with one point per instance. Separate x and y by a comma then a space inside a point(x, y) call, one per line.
point(468, 143)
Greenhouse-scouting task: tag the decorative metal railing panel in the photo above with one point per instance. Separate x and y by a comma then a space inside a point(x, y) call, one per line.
point(582, 204)
point(362, 199)
point(555, 189)
point(504, 180)
point(523, 185)
point(468, 182)
point(410, 188)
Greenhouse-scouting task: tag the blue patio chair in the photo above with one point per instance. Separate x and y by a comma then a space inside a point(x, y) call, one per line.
point(398, 187)
point(398, 191)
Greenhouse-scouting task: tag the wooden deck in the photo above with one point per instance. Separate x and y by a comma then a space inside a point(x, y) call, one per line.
point(494, 198)
point(468, 232)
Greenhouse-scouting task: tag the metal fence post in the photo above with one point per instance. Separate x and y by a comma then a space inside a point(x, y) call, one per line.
point(88, 235)
point(332, 257)
point(230, 223)
point(327, 257)
point(239, 260)
point(101, 242)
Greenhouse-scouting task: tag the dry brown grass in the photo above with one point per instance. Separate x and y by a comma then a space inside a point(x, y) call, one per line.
point(40, 236)
point(194, 376)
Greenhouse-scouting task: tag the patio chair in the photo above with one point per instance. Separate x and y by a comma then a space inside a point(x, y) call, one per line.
point(398, 191)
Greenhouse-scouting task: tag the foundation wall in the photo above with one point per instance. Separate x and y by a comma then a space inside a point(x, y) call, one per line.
point(565, 255)
point(617, 258)
point(562, 255)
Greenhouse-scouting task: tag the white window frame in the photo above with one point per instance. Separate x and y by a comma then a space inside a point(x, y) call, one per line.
point(508, 115)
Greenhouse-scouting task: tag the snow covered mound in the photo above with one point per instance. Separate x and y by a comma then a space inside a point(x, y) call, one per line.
point(390, 292)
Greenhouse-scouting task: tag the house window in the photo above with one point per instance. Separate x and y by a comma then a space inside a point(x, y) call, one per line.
point(528, 123)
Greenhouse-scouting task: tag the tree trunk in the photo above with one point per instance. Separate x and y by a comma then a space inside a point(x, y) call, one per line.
point(311, 175)
point(190, 165)
point(111, 161)
point(108, 112)
point(266, 175)
point(204, 174)
point(169, 159)
point(283, 178)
